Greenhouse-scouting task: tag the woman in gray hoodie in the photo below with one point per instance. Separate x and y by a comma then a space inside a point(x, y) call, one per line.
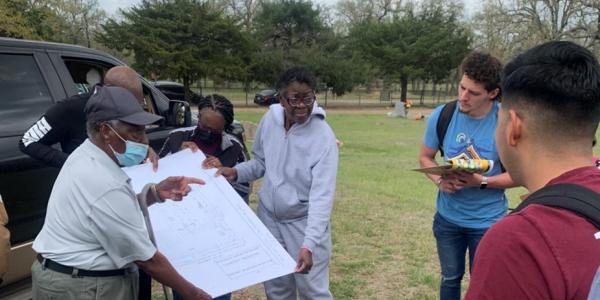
point(295, 151)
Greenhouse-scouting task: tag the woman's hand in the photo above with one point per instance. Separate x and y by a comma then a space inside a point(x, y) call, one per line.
point(189, 145)
point(211, 162)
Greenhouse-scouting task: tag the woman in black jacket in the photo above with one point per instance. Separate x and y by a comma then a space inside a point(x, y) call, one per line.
point(211, 135)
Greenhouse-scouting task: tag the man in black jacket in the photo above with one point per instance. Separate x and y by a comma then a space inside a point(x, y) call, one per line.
point(64, 122)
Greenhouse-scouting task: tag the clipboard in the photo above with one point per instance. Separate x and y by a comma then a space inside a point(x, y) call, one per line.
point(439, 170)
point(459, 165)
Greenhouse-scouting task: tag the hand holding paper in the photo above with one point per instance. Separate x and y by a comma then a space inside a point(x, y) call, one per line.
point(305, 261)
point(479, 166)
point(229, 173)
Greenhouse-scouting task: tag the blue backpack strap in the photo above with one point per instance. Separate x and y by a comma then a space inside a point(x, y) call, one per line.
point(443, 122)
point(572, 197)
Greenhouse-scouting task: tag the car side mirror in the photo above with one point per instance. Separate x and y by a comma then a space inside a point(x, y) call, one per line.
point(180, 114)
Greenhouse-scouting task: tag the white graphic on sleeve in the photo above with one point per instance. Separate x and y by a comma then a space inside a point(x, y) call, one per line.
point(36, 132)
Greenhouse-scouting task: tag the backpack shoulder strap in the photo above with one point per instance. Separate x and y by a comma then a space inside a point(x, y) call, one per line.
point(443, 122)
point(572, 197)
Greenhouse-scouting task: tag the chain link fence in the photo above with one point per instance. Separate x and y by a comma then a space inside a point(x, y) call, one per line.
point(418, 94)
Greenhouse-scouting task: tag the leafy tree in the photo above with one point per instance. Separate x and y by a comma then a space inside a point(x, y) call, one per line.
point(353, 12)
point(422, 43)
point(336, 66)
point(30, 20)
point(295, 33)
point(180, 39)
point(81, 20)
point(266, 66)
point(13, 23)
point(288, 24)
point(243, 11)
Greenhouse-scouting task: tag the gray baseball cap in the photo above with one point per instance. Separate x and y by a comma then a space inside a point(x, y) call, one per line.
point(116, 103)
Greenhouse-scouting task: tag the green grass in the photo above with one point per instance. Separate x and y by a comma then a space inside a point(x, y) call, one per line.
point(383, 247)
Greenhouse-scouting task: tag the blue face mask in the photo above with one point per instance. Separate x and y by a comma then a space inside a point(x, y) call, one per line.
point(134, 154)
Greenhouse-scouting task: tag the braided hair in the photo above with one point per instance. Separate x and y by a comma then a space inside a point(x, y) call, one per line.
point(219, 104)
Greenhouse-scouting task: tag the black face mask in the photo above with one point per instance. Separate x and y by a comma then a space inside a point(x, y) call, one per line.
point(206, 136)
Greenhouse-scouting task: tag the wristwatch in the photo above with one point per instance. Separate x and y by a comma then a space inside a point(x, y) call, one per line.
point(484, 183)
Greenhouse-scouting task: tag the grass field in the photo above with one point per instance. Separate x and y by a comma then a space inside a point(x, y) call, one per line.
point(383, 247)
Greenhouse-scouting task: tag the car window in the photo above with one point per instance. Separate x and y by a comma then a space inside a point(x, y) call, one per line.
point(85, 74)
point(24, 95)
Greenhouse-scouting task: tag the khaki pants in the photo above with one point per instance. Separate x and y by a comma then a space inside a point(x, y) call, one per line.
point(48, 284)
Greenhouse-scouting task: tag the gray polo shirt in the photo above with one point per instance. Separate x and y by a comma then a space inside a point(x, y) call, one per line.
point(93, 221)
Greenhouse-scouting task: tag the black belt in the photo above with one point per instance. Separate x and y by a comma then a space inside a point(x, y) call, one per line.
point(60, 268)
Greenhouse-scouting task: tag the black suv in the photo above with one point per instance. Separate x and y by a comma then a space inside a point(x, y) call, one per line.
point(33, 76)
point(175, 90)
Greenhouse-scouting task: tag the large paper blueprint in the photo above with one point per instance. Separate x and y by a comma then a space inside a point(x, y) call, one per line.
point(211, 237)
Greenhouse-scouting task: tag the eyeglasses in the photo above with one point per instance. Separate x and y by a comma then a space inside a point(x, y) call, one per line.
point(210, 130)
point(308, 100)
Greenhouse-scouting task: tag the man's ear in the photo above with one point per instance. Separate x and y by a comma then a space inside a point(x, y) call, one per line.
point(514, 128)
point(494, 93)
point(104, 132)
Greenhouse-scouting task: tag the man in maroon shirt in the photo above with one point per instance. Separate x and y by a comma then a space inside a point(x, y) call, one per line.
point(549, 115)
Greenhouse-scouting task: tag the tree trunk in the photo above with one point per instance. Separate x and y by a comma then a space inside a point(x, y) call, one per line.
point(87, 30)
point(597, 37)
point(403, 88)
point(422, 99)
point(186, 89)
point(433, 91)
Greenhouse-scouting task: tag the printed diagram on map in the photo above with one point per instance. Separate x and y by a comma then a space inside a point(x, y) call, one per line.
point(212, 237)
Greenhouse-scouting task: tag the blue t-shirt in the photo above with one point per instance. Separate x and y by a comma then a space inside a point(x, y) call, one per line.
point(469, 207)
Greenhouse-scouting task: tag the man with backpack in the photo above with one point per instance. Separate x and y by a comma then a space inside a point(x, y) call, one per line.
point(549, 247)
point(467, 203)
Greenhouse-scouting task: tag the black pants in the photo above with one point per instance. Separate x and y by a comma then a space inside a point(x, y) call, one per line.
point(145, 286)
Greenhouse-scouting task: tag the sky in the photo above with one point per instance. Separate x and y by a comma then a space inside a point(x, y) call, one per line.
point(111, 6)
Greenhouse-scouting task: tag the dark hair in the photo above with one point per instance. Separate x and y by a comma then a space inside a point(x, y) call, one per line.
point(483, 68)
point(296, 74)
point(561, 82)
point(219, 104)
